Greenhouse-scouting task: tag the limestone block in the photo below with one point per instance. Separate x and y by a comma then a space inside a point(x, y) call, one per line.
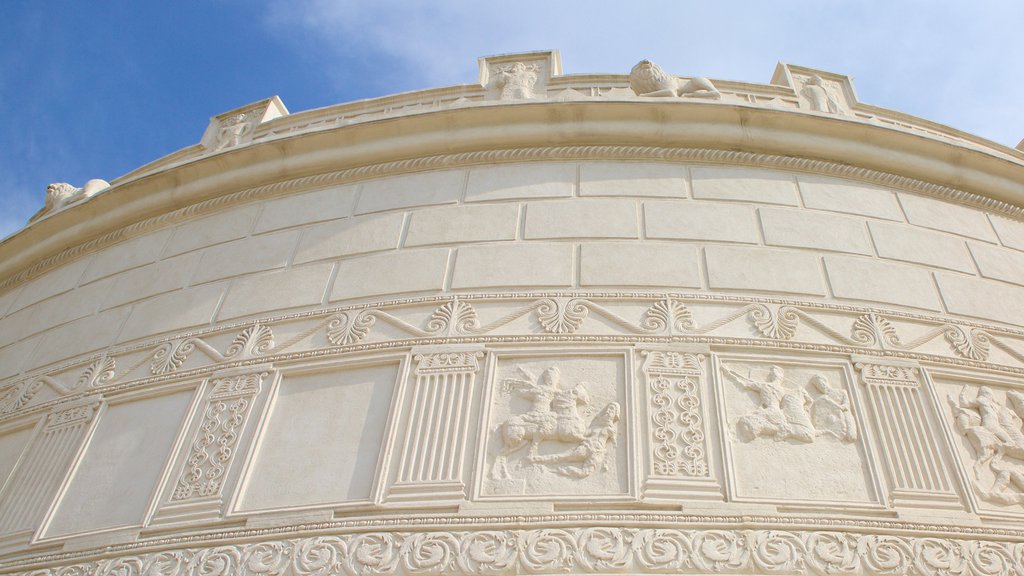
point(14, 358)
point(66, 307)
point(359, 235)
point(114, 482)
point(633, 179)
point(222, 227)
point(981, 298)
point(1011, 232)
point(329, 204)
point(247, 255)
point(639, 264)
point(79, 337)
point(803, 229)
point(290, 288)
point(180, 309)
point(164, 276)
point(420, 189)
point(581, 219)
point(743, 268)
point(999, 263)
point(912, 244)
point(15, 326)
point(61, 279)
point(946, 216)
point(521, 264)
point(472, 223)
point(701, 221)
point(126, 255)
point(749, 184)
point(292, 468)
point(12, 444)
point(394, 273)
point(835, 195)
point(7, 298)
point(871, 280)
point(536, 180)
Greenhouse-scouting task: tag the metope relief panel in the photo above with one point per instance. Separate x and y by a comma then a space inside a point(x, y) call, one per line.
point(556, 426)
point(987, 422)
point(792, 432)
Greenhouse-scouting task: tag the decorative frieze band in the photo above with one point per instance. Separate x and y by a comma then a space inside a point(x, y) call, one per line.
point(590, 550)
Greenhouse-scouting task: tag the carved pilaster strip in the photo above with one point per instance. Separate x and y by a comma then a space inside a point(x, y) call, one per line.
point(915, 464)
point(437, 424)
point(36, 480)
point(678, 440)
point(213, 447)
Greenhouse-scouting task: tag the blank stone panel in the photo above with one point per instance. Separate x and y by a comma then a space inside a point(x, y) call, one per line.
point(126, 255)
point(579, 218)
point(717, 222)
point(1011, 232)
point(222, 227)
point(392, 273)
point(874, 281)
point(175, 310)
point(62, 279)
point(520, 181)
point(947, 217)
point(982, 298)
point(804, 229)
point(472, 223)
point(164, 276)
point(525, 264)
point(15, 357)
point(83, 335)
point(743, 268)
point(748, 184)
point(329, 204)
point(913, 244)
point(118, 475)
point(999, 263)
point(360, 235)
point(835, 195)
point(254, 254)
point(322, 440)
point(639, 264)
point(633, 179)
point(291, 288)
point(423, 189)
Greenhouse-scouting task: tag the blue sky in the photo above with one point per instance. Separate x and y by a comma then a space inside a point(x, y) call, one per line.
point(95, 89)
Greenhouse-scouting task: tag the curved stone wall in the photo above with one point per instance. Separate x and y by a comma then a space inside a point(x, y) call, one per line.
point(591, 358)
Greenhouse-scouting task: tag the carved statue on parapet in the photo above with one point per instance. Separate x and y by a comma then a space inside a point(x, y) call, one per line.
point(791, 413)
point(233, 131)
point(649, 80)
point(61, 194)
point(995, 431)
point(819, 97)
point(516, 81)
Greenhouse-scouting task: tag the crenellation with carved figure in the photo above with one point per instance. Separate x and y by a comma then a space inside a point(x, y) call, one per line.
point(543, 323)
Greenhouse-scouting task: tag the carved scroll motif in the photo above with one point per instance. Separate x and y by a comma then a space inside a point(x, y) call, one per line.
point(214, 446)
point(679, 444)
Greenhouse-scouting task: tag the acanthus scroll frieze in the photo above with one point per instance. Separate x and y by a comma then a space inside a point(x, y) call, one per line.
point(589, 550)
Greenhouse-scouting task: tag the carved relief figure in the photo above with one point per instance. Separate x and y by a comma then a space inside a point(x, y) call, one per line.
point(994, 431)
point(516, 81)
point(819, 97)
point(61, 194)
point(648, 79)
point(232, 131)
point(554, 415)
point(790, 413)
point(830, 412)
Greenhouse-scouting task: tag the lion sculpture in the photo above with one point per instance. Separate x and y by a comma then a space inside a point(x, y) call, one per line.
point(61, 194)
point(648, 79)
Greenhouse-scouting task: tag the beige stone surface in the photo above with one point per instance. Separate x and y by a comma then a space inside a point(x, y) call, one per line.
point(520, 181)
point(360, 235)
point(423, 189)
point(579, 218)
point(864, 279)
point(999, 263)
point(912, 244)
point(126, 255)
point(222, 227)
point(636, 264)
point(174, 310)
point(278, 290)
point(329, 204)
point(947, 217)
point(762, 186)
point(803, 229)
point(241, 257)
point(458, 224)
point(394, 273)
point(982, 298)
point(820, 193)
point(770, 270)
point(701, 221)
point(633, 179)
point(524, 264)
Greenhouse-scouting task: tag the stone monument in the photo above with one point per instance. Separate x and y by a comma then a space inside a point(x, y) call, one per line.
point(542, 324)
